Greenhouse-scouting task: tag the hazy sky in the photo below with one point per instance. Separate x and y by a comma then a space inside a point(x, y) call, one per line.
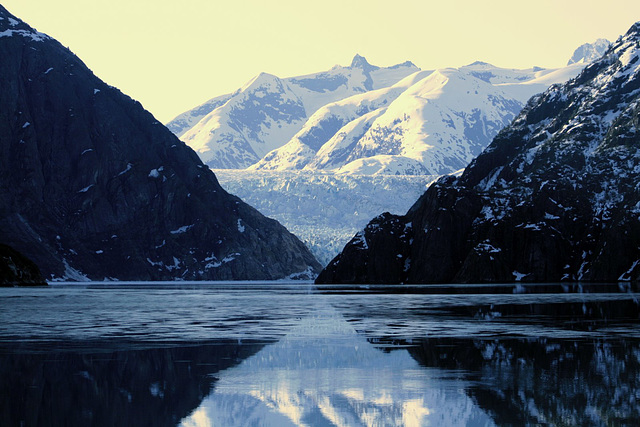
point(173, 55)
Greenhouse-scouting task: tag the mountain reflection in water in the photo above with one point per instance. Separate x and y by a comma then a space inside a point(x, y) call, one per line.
point(60, 384)
point(276, 355)
point(324, 373)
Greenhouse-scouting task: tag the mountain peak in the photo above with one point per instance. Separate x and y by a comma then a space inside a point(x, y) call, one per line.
point(4, 13)
point(261, 79)
point(479, 63)
point(405, 64)
point(11, 26)
point(109, 182)
point(8, 21)
point(635, 29)
point(590, 52)
point(360, 62)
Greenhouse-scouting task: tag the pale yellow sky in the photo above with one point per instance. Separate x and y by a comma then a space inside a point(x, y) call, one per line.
point(174, 55)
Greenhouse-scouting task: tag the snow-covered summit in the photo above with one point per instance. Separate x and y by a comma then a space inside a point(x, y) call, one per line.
point(361, 62)
point(237, 130)
point(323, 125)
point(428, 123)
point(249, 124)
point(589, 52)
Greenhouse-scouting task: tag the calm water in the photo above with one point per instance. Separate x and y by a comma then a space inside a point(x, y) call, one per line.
point(278, 354)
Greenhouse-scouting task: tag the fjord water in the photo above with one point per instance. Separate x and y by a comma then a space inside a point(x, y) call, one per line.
point(278, 354)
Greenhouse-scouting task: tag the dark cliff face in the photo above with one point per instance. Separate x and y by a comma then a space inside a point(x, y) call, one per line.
point(556, 196)
point(94, 186)
point(17, 270)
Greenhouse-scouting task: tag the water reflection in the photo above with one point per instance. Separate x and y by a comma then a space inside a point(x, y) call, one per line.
point(545, 381)
point(324, 374)
point(61, 384)
point(266, 355)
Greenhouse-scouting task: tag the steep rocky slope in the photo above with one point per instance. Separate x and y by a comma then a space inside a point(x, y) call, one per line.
point(94, 187)
point(555, 196)
point(17, 270)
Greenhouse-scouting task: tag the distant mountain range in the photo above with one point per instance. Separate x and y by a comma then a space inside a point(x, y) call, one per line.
point(235, 131)
point(93, 187)
point(364, 119)
point(430, 123)
point(554, 197)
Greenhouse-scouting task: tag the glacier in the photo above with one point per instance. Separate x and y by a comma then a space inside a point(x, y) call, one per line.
point(324, 210)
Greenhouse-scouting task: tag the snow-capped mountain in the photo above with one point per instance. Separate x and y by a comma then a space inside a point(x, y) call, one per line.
point(189, 119)
point(589, 52)
point(237, 130)
point(248, 125)
point(428, 123)
point(329, 120)
point(556, 195)
point(408, 124)
point(327, 209)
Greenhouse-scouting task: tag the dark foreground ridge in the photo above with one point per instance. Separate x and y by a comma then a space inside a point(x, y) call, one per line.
point(18, 270)
point(556, 196)
point(94, 187)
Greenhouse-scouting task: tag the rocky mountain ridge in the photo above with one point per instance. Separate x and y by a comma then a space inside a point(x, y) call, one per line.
point(589, 52)
point(554, 197)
